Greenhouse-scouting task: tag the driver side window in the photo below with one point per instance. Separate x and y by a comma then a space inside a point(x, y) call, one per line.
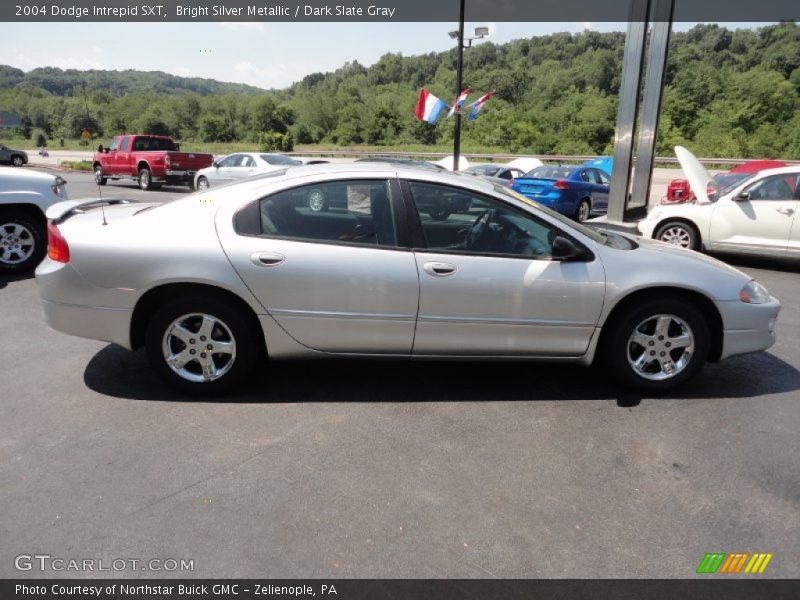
point(776, 187)
point(456, 220)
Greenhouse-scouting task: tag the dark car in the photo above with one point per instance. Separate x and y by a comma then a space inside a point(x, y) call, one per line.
point(575, 191)
point(13, 157)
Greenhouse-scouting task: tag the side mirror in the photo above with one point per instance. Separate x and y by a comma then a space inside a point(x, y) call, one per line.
point(565, 250)
point(100, 148)
point(743, 197)
point(215, 164)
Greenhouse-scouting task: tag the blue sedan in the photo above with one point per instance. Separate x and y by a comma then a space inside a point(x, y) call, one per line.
point(579, 192)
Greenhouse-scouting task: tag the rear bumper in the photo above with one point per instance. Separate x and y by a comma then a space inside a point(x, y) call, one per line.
point(748, 327)
point(93, 322)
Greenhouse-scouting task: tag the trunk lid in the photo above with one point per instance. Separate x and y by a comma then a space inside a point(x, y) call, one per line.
point(534, 186)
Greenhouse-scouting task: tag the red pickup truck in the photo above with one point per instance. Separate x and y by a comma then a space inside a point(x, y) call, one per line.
point(151, 160)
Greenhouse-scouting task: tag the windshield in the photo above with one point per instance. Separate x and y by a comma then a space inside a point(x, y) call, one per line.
point(728, 181)
point(550, 172)
point(569, 223)
point(277, 159)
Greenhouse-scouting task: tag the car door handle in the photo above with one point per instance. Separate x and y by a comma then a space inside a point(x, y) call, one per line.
point(267, 259)
point(786, 211)
point(439, 269)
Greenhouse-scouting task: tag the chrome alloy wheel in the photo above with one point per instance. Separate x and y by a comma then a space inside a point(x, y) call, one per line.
point(677, 236)
point(199, 347)
point(16, 243)
point(316, 200)
point(583, 211)
point(660, 347)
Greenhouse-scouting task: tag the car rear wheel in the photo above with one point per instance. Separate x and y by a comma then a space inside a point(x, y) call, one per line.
point(678, 233)
point(584, 208)
point(202, 183)
point(22, 243)
point(202, 345)
point(316, 200)
point(659, 345)
point(145, 179)
point(98, 176)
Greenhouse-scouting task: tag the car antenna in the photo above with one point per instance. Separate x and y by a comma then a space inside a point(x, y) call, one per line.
point(91, 141)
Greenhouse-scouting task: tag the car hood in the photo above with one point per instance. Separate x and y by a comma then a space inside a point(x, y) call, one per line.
point(697, 175)
point(10, 175)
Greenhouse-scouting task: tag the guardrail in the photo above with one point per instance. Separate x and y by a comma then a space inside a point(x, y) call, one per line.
point(505, 157)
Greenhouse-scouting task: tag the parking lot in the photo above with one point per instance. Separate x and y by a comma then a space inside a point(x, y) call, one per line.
point(394, 469)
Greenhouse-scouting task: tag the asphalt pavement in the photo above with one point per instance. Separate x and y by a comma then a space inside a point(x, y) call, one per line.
point(395, 469)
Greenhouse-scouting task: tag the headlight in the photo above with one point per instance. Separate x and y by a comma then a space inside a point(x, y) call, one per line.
point(754, 293)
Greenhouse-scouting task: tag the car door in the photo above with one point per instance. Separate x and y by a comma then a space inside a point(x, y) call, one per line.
point(245, 168)
point(793, 248)
point(122, 158)
point(335, 280)
point(489, 287)
point(757, 219)
point(601, 186)
point(5, 154)
point(227, 169)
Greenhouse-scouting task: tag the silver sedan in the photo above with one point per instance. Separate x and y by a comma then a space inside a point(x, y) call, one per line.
point(221, 280)
point(240, 166)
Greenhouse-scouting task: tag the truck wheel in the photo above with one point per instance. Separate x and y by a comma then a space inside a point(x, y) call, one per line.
point(98, 176)
point(17, 161)
point(23, 242)
point(145, 179)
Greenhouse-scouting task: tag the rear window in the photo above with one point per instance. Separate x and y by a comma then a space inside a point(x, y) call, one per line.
point(152, 143)
point(488, 170)
point(550, 172)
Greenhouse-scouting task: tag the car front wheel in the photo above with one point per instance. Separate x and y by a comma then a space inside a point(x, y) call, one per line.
point(22, 243)
point(17, 161)
point(202, 345)
point(658, 345)
point(202, 183)
point(678, 233)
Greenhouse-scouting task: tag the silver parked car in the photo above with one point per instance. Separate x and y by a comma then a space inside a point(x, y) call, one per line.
point(240, 166)
point(219, 280)
point(25, 195)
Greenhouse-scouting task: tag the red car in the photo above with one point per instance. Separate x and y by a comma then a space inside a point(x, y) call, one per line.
point(150, 160)
point(678, 190)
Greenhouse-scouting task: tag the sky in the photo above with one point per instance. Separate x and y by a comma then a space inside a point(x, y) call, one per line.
point(266, 55)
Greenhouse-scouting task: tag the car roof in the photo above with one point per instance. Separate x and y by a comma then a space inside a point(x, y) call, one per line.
point(790, 170)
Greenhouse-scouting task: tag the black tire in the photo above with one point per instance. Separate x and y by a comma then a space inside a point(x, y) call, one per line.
point(247, 337)
point(98, 176)
point(619, 348)
point(583, 211)
point(202, 183)
point(145, 179)
point(679, 233)
point(28, 229)
point(17, 160)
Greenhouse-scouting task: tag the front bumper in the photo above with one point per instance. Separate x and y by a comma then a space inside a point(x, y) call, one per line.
point(747, 327)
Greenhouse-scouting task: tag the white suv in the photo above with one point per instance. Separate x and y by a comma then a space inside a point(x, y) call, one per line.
point(25, 195)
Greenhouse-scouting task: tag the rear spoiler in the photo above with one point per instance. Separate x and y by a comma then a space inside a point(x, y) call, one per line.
point(67, 208)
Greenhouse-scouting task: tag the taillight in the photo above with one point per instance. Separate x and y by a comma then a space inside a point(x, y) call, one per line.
point(561, 185)
point(57, 248)
point(167, 161)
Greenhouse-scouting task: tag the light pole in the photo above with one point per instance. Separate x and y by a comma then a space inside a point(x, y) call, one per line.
point(480, 33)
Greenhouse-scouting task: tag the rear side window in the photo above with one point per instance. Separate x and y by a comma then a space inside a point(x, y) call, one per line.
point(355, 212)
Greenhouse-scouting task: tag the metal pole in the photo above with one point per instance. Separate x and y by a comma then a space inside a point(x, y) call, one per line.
point(629, 95)
point(459, 68)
